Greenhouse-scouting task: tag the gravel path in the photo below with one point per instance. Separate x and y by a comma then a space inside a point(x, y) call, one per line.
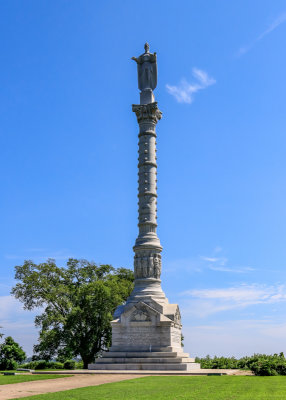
point(25, 389)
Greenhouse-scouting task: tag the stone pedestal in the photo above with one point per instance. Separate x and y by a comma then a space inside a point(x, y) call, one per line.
point(146, 336)
point(146, 331)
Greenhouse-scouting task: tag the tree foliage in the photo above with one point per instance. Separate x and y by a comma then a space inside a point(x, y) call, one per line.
point(78, 303)
point(259, 364)
point(10, 354)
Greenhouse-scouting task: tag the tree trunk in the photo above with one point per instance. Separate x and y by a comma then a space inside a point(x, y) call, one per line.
point(86, 360)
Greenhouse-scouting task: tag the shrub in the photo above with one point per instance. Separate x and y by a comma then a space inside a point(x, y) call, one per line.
point(264, 365)
point(8, 365)
point(259, 364)
point(69, 364)
point(29, 365)
point(41, 364)
point(79, 365)
point(55, 365)
point(264, 368)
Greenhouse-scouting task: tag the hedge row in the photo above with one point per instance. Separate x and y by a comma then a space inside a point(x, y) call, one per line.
point(42, 364)
point(259, 364)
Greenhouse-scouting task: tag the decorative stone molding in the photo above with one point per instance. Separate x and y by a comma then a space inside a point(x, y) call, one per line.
point(177, 318)
point(147, 112)
point(140, 316)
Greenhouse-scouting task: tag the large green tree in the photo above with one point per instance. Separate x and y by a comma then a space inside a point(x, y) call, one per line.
point(77, 304)
point(10, 354)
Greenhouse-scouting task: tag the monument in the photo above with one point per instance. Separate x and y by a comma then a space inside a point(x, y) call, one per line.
point(146, 331)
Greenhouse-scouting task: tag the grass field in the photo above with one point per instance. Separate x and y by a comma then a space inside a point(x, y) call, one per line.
point(180, 388)
point(6, 379)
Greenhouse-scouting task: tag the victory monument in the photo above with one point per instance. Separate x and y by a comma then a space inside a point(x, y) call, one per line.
point(146, 331)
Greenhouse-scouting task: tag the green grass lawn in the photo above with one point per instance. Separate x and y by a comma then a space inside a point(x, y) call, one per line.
point(6, 379)
point(180, 388)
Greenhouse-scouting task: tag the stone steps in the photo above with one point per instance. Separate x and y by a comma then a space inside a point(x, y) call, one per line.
point(143, 354)
point(130, 360)
point(145, 366)
point(145, 360)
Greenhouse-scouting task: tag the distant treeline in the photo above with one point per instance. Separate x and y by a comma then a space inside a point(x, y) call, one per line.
point(259, 364)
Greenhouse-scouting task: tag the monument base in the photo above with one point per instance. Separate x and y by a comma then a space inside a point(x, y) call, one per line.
point(161, 360)
point(146, 336)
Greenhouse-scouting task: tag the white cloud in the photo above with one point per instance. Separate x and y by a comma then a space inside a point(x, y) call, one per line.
point(184, 92)
point(277, 22)
point(204, 302)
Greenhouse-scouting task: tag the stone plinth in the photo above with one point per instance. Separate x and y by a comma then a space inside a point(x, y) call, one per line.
point(146, 336)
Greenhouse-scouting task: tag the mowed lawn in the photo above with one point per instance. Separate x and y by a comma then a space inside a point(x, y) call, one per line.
point(6, 379)
point(180, 388)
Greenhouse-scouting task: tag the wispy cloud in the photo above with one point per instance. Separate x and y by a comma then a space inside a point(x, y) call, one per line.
point(210, 259)
point(243, 294)
point(205, 302)
point(215, 262)
point(220, 264)
point(236, 270)
point(277, 22)
point(185, 91)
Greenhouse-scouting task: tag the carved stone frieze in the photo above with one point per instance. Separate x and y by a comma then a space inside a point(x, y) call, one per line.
point(147, 112)
point(147, 264)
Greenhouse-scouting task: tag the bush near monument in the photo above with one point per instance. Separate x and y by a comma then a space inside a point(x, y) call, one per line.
point(69, 364)
point(78, 301)
point(42, 364)
point(10, 354)
point(259, 364)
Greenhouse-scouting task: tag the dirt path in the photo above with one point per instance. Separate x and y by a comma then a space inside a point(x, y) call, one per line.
point(25, 389)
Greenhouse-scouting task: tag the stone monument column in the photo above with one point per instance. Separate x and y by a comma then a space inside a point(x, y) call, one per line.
point(147, 259)
point(146, 330)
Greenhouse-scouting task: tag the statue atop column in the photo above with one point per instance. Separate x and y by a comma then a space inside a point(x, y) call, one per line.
point(147, 74)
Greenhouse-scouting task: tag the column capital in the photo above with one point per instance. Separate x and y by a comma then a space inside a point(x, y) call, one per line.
point(147, 112)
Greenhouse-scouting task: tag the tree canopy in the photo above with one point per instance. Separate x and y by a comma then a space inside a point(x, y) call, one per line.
point(10, 354)
point(78, 302)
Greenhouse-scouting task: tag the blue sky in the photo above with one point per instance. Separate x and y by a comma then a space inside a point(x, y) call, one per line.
point(69, 155)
